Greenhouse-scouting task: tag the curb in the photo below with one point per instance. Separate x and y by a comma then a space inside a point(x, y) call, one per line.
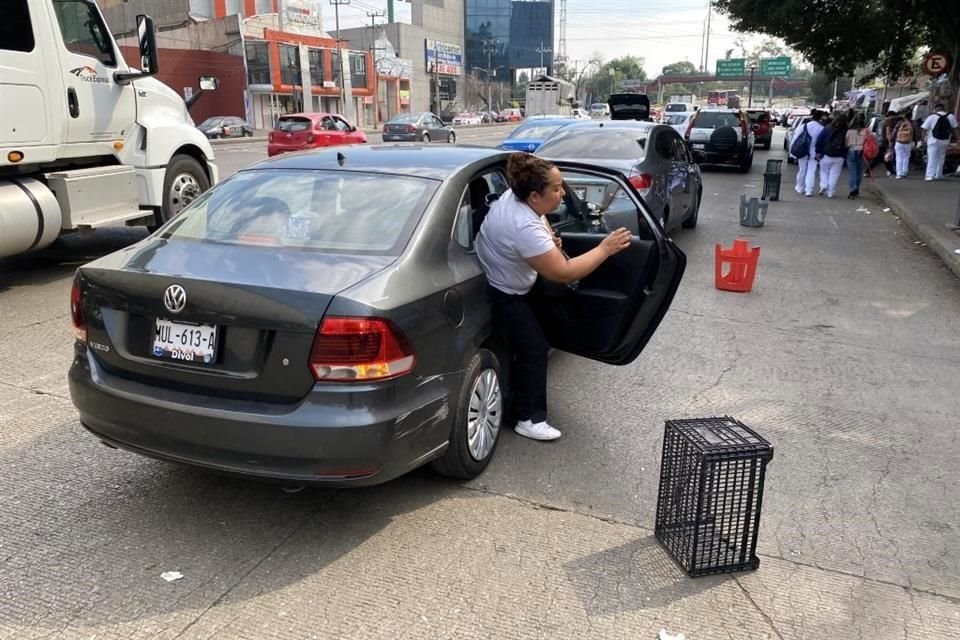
point(925, 232)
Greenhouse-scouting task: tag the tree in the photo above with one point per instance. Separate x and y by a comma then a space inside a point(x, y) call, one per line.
point(837, 36)
point(681, 68)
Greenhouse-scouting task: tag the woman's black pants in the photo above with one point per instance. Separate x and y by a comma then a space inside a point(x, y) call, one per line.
point(513, 318)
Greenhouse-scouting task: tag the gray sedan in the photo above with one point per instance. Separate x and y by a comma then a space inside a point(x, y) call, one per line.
point(418, 127)
point(323, 318)
point(656, 160)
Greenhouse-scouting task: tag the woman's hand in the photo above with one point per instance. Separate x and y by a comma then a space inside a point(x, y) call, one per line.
point(616, 241)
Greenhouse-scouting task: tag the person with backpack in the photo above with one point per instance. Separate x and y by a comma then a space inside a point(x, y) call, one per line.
point(904, 138)
point(939, 127)
point(802, 149)
point(856, 141)
point(831, 148)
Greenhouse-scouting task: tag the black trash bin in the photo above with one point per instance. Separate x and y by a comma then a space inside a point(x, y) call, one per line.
point(711, 490)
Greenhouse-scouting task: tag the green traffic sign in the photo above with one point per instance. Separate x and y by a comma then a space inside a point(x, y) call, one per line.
point(731, 68)
point(775, 66)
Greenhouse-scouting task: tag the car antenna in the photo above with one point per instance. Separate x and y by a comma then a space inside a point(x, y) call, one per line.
point(341, 158)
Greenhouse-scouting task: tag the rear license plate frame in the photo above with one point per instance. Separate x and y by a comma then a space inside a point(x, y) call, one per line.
point(205, 352)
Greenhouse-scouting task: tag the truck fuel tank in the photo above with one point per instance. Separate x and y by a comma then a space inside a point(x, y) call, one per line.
point(29, 216)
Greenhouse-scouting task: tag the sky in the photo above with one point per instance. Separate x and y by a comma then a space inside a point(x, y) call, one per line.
point(659, 31)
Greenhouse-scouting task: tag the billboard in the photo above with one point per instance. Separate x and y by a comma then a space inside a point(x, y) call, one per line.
point(443, 58)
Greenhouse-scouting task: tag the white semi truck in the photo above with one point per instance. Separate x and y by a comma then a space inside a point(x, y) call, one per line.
point(86, 140)
point(549, 96)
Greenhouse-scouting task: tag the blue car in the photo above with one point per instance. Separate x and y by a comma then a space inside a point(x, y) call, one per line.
point(531, 134)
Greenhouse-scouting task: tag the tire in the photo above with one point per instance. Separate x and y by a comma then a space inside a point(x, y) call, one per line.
point(184, 181)
point(481, 396)
point(426, 138)
point(247, 134)
point(691, 221)
point(452, 138)
point(747, 164)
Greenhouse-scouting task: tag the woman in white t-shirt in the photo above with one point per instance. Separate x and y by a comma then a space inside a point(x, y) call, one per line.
point(514, 245)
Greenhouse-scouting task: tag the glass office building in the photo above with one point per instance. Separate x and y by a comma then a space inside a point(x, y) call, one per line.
point(511, 32)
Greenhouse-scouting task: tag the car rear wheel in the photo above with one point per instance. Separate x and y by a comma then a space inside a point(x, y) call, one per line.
point(452, 138)
point(426, 137)
point(476, 424)
point(691, 220)
point(747, 163)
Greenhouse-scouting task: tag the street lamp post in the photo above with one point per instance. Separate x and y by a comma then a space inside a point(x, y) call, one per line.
point(336, 10)
point(613, 75)
point(750, 94)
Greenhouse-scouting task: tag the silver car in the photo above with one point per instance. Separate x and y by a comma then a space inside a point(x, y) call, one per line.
point(654, 158)
point(418, 127)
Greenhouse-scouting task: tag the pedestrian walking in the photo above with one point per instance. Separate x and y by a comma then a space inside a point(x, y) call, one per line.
point(513, 246)
point(904, 139)
point(940, 127)
point(887, 145)
point(854, 140)
point(803, 150)
point(831, 148)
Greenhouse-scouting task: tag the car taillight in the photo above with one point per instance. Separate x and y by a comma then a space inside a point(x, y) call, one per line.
point(359, 349)
point(641, 181)
point(77, 319)
point(743, 128)
point(411, 129)
point(690, 127)
point(270, 137)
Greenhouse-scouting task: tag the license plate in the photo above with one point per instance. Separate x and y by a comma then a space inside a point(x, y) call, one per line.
point(581, 192)
point(699, 146)
point(185, 342)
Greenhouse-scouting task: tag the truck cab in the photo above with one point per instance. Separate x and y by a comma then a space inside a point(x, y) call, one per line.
point(87, 140)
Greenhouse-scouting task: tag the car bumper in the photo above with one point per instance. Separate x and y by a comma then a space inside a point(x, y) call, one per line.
point(400, 137)
point(336, 436)
point(719, 157)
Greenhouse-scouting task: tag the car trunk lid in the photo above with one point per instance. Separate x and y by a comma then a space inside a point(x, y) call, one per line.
point(248, 320)
point(293, 131)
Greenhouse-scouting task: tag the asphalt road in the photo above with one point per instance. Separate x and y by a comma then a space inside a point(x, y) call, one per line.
point(844, 356)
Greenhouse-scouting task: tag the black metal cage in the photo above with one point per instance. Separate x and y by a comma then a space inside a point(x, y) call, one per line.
point(711, 491)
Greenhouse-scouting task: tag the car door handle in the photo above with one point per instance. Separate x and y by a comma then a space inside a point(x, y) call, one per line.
point(72, 103)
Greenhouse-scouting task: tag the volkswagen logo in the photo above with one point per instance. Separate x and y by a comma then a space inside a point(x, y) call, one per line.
point(175, 298)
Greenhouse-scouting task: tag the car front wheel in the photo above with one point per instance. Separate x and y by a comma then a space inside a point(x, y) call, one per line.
point(476, 423)
point(184, 181)
point(426, 137)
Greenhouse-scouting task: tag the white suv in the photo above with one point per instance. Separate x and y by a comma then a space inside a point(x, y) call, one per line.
point(724, 136)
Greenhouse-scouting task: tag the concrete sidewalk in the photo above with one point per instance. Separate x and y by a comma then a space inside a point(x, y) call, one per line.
point(930, 209)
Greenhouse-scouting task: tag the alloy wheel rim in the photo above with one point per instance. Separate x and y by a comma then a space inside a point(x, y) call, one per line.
point(484, 414)
point(183, 191)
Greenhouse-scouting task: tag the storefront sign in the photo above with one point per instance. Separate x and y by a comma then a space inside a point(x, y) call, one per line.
point(444, 58)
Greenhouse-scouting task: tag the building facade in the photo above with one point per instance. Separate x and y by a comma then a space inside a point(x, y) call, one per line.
point(504, 36)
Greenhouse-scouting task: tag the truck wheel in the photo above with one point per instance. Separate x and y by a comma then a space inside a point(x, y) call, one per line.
point(184, 181)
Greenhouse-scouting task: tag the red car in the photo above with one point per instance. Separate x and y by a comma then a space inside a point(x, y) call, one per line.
point(298, 131)
point(762, 123)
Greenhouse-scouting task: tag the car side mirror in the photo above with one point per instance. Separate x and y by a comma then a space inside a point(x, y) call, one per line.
point(149, 59)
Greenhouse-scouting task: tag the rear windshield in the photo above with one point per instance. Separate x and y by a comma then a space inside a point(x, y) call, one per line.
point(407, 117)
point(606, 144)
point(677, 106)
point(715, 120)
point(324, 211)
point(536, 131)
point(292, 125)
point(675, 118)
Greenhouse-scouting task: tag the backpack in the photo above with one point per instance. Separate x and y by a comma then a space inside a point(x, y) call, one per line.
point(870, 147)
point(941, 130)
point(801, 146)
point(834, 145)
point(904, 132)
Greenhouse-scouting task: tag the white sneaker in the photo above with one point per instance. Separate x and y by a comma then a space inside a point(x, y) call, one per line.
point(538, 431)
point(928, 179)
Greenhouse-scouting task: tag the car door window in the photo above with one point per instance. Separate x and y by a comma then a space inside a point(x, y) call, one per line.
point(437, 123)
point(664, 147)
point(328, 124)
point(474, 205)
point(83, 30)
point(341, 125)
point(680, 152)
point(16, 33)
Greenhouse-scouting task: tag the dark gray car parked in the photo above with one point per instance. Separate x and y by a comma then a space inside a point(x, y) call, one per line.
point(418, 127)
point(654, 157)
point(323, 318)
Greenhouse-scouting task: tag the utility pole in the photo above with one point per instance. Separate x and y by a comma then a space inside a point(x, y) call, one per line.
point(706, 48)
point(750, 95)
point(373, 15)
point(489, 47)
point(542, 51)
point(336, 10)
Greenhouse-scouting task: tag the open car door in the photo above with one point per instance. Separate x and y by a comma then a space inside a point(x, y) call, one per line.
point(611, 314)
